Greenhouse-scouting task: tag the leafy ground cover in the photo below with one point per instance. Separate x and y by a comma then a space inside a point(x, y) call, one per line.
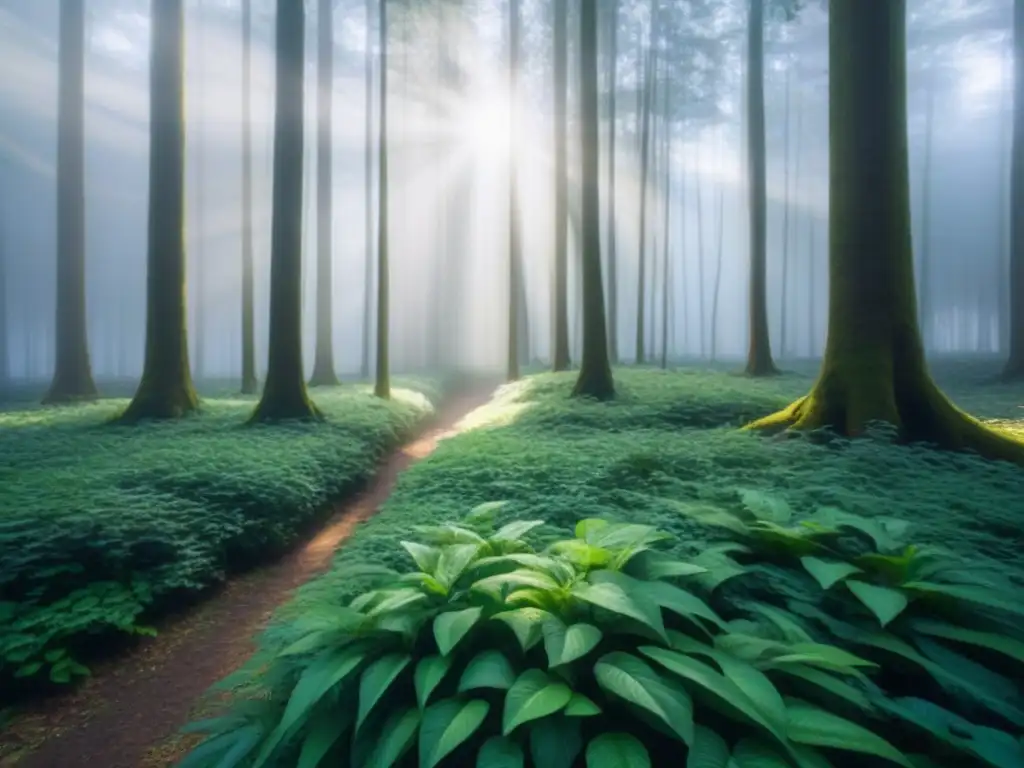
point(666, 454)
point(103, 526)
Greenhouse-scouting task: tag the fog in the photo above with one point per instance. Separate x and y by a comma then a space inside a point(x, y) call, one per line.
point(448, 212)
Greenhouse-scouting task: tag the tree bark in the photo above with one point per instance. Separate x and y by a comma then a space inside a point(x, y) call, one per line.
point(364, 368)
point(165, 390)
point(610, 218)
point(595, 377)
point(1015, 361)
point(514, 266)
point(874, 367)
point(284, 393)
point(382, 377)
point(323, 361)
point(645, 139)
point(719, 259)
point(199, 240)
point(666, 282)
point(925, 252)
point(560, 301)
point(72, 375)
point(759, 352)
point(786, 205)
point(249, 380)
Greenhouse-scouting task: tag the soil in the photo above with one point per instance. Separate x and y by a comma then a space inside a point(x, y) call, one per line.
point(129, 712)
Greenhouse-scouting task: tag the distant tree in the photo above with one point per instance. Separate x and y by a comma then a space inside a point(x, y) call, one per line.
point(925, 313)
point(515, 276)
point(560, 354)
point(382, 379)
point(5, 372)
point(199, 239)
point(1015, 362)
point(595, 378)
point(165, 390)
point(284, 392)
point(644, 122)
point(72, 375)
point(874, 367)
point(364, 367)
point(249, 381)
point(610, 217)
point(323, 362)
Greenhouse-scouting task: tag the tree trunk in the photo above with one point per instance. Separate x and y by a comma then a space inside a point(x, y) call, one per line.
point(924, 260)
point(165, 390)
point(284, 393)
point(560, 302)
point(72, 375)
point(759, 352)
point(874, 367)
point(199, 240)
point(595, 378)
point(702, 318)
point(719, 258)
point(1002, 270)
point(645, 138)
point(514, 267)
point(382, 378)
point(249, 380)
point(5, 370)
point(812, 287)
point(613, 80)
point(323, 361)
point(666, 282)
point(1015, 361)
point(786, 205)
point(364, 368)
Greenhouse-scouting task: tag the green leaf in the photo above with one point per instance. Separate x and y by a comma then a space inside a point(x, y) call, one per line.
point(489, 669)
point(526, 623)
point(581, 706)
point(651, 566)
point(516, 530)
point(633, 680)
point(396, 600)
point(246, 740)
point(27, 670)
point(1007, 646)
point(827, 682)
point(321, 736)
point(451, 627)
point(555, 742)
point(617, 750)
point(446, 725)
point(453, 562)
point(429, 673)
point(681, 602)
point(886, 603)
point(756, 685)
point(968, 594)
point(566, 644)
point(589, 526)
point(532, 696)
point(499, 752)
point(375, 681)
point(396, 738)
point(750, 753)
point(484, 514)
point(614, 598)
point(520, 579)
point(791, 629)
point(764, 506)
point(708, 750)
point(828, 572)
point(424, 556)
point(581, 554)
point(815, 727)
point(821, 655)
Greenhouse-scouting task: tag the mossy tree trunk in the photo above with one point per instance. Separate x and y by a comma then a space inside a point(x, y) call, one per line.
point(249, 381)
point(560, 301)
point(874, 367)
point(284, 393)
point(382, 378)
point(72, 375)
point(165, 390)
point(759, 351)
point(514, 256)
point(595, 378)
point(1015, 361)
point(323, 361)
point(610, 217)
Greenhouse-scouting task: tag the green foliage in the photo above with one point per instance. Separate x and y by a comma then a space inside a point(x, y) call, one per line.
point(102, 526)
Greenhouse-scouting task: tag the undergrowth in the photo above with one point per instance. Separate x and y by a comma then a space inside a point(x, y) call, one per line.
point(102, 526)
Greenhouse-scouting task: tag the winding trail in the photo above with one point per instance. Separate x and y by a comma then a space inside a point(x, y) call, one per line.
point(127, 714)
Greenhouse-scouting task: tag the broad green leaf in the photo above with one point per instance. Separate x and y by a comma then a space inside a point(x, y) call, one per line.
point(617, 750)
point(633, 680)
point(532, 696)
point(751, 753)
point(795, 542)
point(520, 579)
point(612, 597)
point(245, 742)
point(424, 556)
point(748, 647)
point(396, 738)
point(499, 752)
point(447, 724)
point(488, 669)
point(708, 750)
point(968, 594)
point(821, 655)
point(828, 572)
point(429, 673)
point(581, 554)
point(815, 727)
point(222, 746)
point(588, 527)
point(453, 562)
point(375, 681)
point(555, 742)
point(764, 506)
point(651, 566)
point(618, 536)
point(829, 683)
point(425, 581)
point(1007, 646)
point(484, 514)
point(884, 602)
point(526, 623)
point(557, 569)
point(516, 530)
point(566, 644)
point(444, 535)
point(320, 737)
point(396, 599)
point(450, 628)
point(581, 706)
point(720, 569)
point(785, 622)
point(756, 685)
point(681, 602)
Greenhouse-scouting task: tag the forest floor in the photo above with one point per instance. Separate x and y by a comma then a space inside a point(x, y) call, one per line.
point(126, 714)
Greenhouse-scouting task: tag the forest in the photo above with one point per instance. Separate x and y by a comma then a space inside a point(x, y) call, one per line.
point(512, 383)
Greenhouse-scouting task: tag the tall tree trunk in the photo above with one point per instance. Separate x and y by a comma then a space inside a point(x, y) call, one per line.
point(759, 352)
point(165, 390)
point(812, 287)
point(925, 312)
point(874, 366)
point(5, 369)
point(364, 368)
point(199, 239)
point(1015, 361)
point(514, 268)
point(249, 380)
point(719, 259)
point(560, 301)
point(610, 218)
point(284, 393)
point(1003, 206)
point(382, 378)
point(72, 375)
point(645, 138)
point(786, 205)
point(666, 282)
point(797, 179)
point(702, 319)
point(323, 361)
point(595, 378)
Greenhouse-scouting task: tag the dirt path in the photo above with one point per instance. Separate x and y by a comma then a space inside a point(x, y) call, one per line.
point(127, 713)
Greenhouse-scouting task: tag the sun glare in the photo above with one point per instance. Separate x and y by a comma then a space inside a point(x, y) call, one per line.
point(485, 128)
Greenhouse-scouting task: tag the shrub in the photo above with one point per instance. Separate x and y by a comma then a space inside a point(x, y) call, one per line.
point(496, 654)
